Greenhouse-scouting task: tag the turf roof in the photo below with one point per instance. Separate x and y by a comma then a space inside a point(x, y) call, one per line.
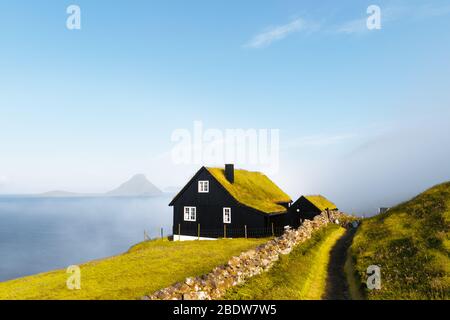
point(321, 202)
point(253, 189)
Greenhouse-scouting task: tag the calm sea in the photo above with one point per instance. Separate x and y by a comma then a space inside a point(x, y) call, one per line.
point(42, 234)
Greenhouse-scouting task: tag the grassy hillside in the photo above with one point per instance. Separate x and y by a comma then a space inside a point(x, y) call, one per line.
point(145, 268)
point(411, 245)
point(301, 275)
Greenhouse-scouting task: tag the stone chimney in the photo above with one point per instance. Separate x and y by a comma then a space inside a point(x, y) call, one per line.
point(229, 172)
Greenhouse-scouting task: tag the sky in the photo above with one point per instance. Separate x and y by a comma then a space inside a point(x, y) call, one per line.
point(363, 115)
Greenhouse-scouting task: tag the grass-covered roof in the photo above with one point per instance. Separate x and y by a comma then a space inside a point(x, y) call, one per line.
point(321, 202)
point(253, 189)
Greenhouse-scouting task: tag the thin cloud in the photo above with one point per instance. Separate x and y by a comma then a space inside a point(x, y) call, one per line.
point(317, 141)
point(3, 179)
point(353, 26)
point(277, 33)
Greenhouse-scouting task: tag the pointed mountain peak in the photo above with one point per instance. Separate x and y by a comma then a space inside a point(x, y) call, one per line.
point(137, 186)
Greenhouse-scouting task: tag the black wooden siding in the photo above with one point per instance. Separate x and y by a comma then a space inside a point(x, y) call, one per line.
point(306, 211)
point(209, 208)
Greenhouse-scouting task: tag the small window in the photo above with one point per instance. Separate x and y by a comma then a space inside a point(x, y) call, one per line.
point(226, 215)
point(203, 186)
point(190, 213)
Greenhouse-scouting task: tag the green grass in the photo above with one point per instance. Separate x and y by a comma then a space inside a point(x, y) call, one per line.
point(321, 202)
point(301, 275)
point(145, 268)
point(411, 245)
point(353, 281)
point(253, 189)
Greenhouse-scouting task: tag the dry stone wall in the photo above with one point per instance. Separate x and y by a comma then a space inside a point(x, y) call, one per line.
point(248, 264)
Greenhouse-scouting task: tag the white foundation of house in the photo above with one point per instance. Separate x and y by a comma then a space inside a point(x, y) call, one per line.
point(180, 237)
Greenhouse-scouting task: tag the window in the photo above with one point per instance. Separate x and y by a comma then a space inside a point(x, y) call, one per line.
point(226, 215)
point(203, 186)
point(190, 213)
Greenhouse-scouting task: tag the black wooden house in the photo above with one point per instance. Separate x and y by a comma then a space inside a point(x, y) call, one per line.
point(307, 207)
point(226, 202)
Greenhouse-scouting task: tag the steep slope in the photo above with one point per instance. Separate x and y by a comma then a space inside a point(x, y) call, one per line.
point(138, 186)
point(145, 268)
point(411, 245)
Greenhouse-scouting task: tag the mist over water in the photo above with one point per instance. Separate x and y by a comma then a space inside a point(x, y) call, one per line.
point(42, 234)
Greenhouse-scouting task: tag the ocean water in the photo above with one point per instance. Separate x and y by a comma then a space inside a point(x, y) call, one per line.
point(42, 234)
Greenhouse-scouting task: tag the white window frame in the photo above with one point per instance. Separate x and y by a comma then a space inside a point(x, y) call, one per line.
point(190, 213)
point(203, 186)
point(225, 212)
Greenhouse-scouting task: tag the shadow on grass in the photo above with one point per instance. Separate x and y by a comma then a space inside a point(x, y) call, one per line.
point(337, 286)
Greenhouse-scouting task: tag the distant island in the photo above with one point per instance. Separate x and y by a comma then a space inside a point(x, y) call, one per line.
point(137, 186)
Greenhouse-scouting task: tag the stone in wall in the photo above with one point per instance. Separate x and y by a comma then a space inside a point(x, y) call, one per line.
point(248, 264)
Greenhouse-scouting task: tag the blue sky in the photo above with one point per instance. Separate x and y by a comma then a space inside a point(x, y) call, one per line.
point(85, 109)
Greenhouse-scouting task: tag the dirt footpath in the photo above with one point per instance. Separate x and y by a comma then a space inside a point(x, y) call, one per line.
point(337, 287)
